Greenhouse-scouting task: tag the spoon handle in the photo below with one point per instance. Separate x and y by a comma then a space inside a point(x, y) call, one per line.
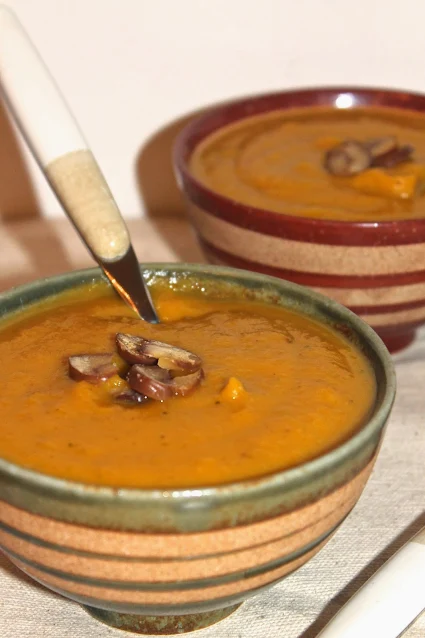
point(389, 601)
point(58, 145)
point(57, 142)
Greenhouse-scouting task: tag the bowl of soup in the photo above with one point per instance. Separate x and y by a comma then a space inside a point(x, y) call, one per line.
point(265, 192)
point(161, 511)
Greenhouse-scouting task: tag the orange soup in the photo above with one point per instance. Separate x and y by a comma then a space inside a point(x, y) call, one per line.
point(278, 389)
point(276, 162)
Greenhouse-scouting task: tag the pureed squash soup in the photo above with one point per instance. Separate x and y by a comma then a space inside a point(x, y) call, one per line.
point(277, 388)
point(279, 162)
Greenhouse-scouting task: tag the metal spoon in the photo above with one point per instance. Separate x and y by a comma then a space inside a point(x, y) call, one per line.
point(59, 147)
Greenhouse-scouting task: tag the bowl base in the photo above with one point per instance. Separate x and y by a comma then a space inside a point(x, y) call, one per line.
point(160, 625)
point(397, 342)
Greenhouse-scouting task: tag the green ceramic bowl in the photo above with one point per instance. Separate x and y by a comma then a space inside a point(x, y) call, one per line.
point(157, 561)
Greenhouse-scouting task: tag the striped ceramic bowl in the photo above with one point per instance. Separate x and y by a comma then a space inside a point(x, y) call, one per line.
point(158, 561)
point(377, 269)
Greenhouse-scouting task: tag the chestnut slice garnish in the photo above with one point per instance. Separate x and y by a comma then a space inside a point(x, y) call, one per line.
point(395, 156)
point(157, 370)
point(158, 384)
point(132, 349)
point(92, 367)
point(130, 397)
point(185, 385)
point(352, 157)
point(152, 381)
point(149, 352)
point(381, 145)
point(173, 358)
point(348, 158)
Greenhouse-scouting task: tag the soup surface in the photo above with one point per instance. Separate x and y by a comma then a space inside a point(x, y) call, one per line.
point(275, 162)
point(306, 389)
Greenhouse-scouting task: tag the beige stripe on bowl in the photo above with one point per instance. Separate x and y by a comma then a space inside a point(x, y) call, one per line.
point(366, 296)
point(394, 318)
point(172, 596)
point(180, 545)
point(375, 296)
point(307, 257)
point(163, 570)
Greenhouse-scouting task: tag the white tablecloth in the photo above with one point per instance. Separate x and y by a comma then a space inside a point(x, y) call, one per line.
point(390, 511)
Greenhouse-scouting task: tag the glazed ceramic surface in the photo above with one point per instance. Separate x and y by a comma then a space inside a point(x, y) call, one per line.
point(159, 561)
point(377, 269)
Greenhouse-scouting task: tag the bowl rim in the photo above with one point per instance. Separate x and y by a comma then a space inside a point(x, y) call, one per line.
point(309, 97)
point(215, 493)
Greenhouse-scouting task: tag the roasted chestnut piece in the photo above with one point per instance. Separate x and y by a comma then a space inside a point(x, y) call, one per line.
point(132, 349)
point(92, 367)
point(352, 157)
point(395, 156)
point(348, 158)
point(157, 370)
point(130, 397)
point(158, 384)
point(381, 145)
point(149, 352)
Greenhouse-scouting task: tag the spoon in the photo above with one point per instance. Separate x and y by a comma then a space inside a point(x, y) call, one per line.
point(60, 149)
point(390, 601)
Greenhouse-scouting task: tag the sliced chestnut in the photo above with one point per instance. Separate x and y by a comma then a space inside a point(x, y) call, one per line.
point(381, 145)
point(158, 384)
point(173, 358)
point(92, 367)
point(185, 385)
point(395, 156)
point(348, 158)
point(149, 352)
point(130, 397)
point(352, 157)
point(132, 349)
point(152, 381)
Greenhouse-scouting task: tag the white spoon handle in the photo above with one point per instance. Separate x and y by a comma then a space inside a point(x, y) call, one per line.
point(57, 142)
point(389, 602)
point(37, 104)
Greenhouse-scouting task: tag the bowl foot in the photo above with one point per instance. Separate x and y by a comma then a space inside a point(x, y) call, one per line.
point(160, 625)
point(397, 342)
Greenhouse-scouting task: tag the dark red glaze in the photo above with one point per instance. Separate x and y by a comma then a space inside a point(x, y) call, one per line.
point(331, 232)
point(398, 336)
point(382, 309)
point(397, 342)
point(318, 280)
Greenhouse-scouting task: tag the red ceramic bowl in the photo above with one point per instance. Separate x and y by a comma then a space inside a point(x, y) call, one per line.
point(377, 269)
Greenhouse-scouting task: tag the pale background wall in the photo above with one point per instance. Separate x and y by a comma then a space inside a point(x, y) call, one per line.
point(129, 68)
